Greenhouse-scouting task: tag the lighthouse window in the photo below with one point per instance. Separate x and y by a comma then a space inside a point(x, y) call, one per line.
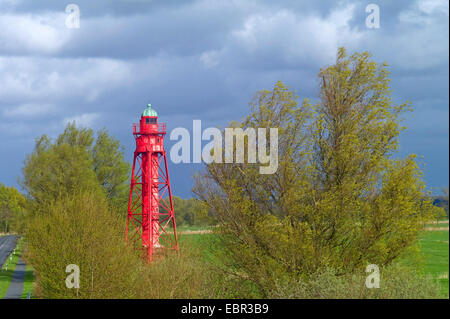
point(147, 120)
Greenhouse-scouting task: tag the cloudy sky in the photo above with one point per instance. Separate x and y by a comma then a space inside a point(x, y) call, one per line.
point(204, 59)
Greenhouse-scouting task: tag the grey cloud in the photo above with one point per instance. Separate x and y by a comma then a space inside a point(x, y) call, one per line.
point(205, 60)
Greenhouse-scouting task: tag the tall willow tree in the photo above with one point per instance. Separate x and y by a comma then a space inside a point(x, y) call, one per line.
point(339, 198)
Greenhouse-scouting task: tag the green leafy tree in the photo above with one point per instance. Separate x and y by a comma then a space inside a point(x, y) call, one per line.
point(442, 201)
point(12, 208)
point(339, 197)
point(191, 212)
point(75, 162)
point(111, 169)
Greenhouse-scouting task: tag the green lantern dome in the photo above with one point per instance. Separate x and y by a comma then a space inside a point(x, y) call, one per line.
point(149, 111)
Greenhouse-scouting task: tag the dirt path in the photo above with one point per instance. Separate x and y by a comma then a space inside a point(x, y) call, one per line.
point(436, 228)
point(191, 232)
point(439, 222)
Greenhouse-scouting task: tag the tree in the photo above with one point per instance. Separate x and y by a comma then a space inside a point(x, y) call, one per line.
point(12, 207)
point(111, 169)
point(442, 201)
point(190, 212)
point(445, 200)
point(339, 198)
point(74, 162)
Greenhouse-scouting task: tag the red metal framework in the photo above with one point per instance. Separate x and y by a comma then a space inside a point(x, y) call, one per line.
point(151, 219)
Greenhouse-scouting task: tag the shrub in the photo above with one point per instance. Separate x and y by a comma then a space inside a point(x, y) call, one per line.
point(83, 229)
point(176, 276)
point(396, 282)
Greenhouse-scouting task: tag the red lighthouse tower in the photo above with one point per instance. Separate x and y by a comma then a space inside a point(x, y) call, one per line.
point(151, 219)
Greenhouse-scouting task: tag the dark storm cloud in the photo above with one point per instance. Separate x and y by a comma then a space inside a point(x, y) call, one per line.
point(205, 60)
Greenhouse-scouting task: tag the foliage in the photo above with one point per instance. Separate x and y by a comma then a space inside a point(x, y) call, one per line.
point(80, 229)
point(396, 282)
point(185, 275)
point(191, 212)
point(84, 229)
point(442, 201)
point(74, 162)
point(111, 169)
point(12, 208)
point(339, 198)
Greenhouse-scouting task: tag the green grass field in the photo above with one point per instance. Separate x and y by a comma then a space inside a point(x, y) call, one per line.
point(204, 242)
point(434, 246)
point(185, 228)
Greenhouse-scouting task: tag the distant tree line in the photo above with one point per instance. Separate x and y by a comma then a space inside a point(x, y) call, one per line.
point(442, 200)
point(192, 212)
point(12, 207)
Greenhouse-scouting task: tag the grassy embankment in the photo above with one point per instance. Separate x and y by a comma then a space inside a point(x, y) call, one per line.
point(8, 268)
point(28, 284)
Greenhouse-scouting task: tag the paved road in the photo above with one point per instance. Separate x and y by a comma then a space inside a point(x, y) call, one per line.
point(16, 286)
point(7, 244)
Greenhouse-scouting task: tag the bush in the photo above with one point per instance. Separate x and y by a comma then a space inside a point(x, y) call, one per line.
point(176, 277)
point(81, 230)
point(84, 230)
point(396, 282)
